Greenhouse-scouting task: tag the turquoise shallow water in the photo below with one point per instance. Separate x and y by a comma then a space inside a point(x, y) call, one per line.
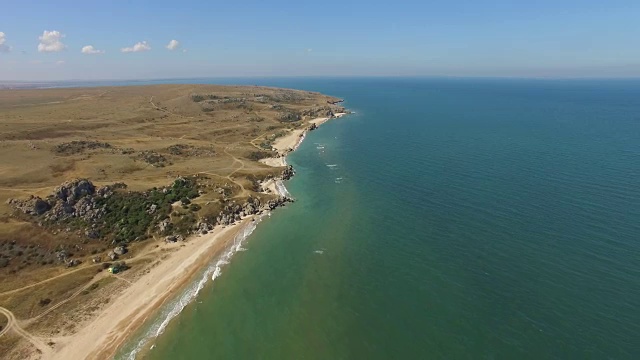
point(492, 219)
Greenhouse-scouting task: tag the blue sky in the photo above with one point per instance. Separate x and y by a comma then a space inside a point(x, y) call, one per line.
point(326, 38)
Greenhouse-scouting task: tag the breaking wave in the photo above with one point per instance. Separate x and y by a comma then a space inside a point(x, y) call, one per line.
point(302, 137)
point(282, 190)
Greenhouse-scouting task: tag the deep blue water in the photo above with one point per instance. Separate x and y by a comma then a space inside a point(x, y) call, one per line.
point(492, 219)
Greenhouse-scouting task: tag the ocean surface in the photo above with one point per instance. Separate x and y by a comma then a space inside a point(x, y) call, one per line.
point(445, 219)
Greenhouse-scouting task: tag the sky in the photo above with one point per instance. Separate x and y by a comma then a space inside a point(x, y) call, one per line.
point(96, 40)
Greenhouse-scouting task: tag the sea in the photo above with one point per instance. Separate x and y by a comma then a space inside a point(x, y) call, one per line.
point(446, 218)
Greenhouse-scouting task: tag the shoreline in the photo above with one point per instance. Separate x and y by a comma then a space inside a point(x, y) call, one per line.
point(290, 142)
point(131, 309)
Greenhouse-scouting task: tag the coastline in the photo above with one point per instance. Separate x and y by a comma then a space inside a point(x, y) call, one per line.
point(291, 141)
point(143, 298)
point(141, 301)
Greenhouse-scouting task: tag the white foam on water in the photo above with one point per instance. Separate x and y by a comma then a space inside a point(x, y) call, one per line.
point(212, 272)
point(304, 135)
point(282, 190)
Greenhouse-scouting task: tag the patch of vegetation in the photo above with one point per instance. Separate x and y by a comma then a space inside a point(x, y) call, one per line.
point(266, 145)
point(179, 149)
point(188, 150)
point(78, 147)
point(255, 182)
point(16, 254)
point(281, 96)
point(197, 98)
point(289, 116)
point(200, 98)
point(184, 225)
point(153, 158)
point(129, 215)
point(273, 137)
point(259, 155)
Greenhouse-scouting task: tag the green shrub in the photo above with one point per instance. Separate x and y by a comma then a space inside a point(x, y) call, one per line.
point(127, 213)
point(258, 155)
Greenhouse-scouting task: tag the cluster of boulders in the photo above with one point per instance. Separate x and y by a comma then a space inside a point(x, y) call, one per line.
point(173, 238)
point(235, 212)
point(318, 111)
point(34, 205)
point(116, 252)
point(288, 173)
point(203, 228)
point(64, 257)
point(312, 127)
point(72, 199)
point(275, 203)
point(73, 262)
point(289, 116)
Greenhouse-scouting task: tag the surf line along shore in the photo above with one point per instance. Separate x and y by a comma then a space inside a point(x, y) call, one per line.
point(141, 301)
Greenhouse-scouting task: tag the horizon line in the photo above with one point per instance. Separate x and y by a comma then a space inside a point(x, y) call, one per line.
point(541, 78)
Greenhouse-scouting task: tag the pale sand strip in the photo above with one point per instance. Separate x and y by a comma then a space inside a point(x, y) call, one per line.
point(291, 141)
point(105, 334)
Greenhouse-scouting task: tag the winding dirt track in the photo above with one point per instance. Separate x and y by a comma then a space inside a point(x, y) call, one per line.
point(48, 279)
point(13, 325)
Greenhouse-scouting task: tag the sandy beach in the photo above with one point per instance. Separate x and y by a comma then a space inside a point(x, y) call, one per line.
point(115, 324)
point(102, 337)
point(291, 141)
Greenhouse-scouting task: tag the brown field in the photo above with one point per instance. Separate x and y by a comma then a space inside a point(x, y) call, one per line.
point(144, 136)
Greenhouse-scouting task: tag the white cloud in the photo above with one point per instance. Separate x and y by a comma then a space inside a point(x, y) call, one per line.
point(3, 46)
point(50, 42)
point(60, 62)
point(173, 44)
point(90, 50)
point(138, 47)
point(309, 50)
point(184, 50)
